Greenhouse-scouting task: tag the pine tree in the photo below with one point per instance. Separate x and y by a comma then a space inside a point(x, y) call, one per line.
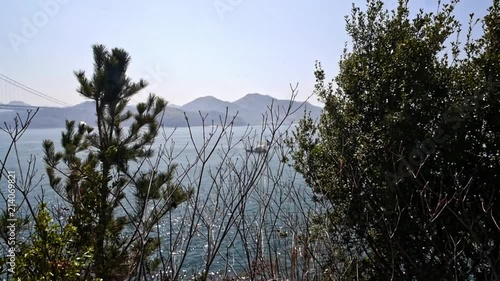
point(96, 172)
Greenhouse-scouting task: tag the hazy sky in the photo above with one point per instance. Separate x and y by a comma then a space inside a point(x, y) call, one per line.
point(184, 48)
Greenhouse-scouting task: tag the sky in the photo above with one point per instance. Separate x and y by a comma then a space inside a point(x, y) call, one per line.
point(185, 49)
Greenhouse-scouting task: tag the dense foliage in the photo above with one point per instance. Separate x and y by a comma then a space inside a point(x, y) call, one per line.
point(407, 148)
point(52, 255)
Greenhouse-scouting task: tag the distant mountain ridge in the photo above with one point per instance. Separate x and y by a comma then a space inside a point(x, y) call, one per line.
point(247, 110)
point(207, 103)
point(17, 103)
point(252, 106)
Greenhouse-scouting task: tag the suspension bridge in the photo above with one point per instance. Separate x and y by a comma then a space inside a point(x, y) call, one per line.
point(16, 95)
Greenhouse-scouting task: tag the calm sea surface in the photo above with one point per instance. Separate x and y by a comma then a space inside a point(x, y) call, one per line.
point(184, 144)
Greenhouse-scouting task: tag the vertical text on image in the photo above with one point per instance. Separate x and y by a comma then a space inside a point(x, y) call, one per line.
point(11, 227)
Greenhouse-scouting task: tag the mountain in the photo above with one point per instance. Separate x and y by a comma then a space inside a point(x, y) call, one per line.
point(254, 100)
point(247, 110)
point(208, 104)
point(176, 117)
point(255, 105)
point(55, 117)
point(18, 103)
point(85, 105)
point(252, 106)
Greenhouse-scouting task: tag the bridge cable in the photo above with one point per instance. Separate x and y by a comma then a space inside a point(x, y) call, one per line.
point(32, 91)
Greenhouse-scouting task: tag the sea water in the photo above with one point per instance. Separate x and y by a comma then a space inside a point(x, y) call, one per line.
point(185, 146)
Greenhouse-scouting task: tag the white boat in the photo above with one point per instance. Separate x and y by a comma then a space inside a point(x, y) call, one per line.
point(262, 148)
